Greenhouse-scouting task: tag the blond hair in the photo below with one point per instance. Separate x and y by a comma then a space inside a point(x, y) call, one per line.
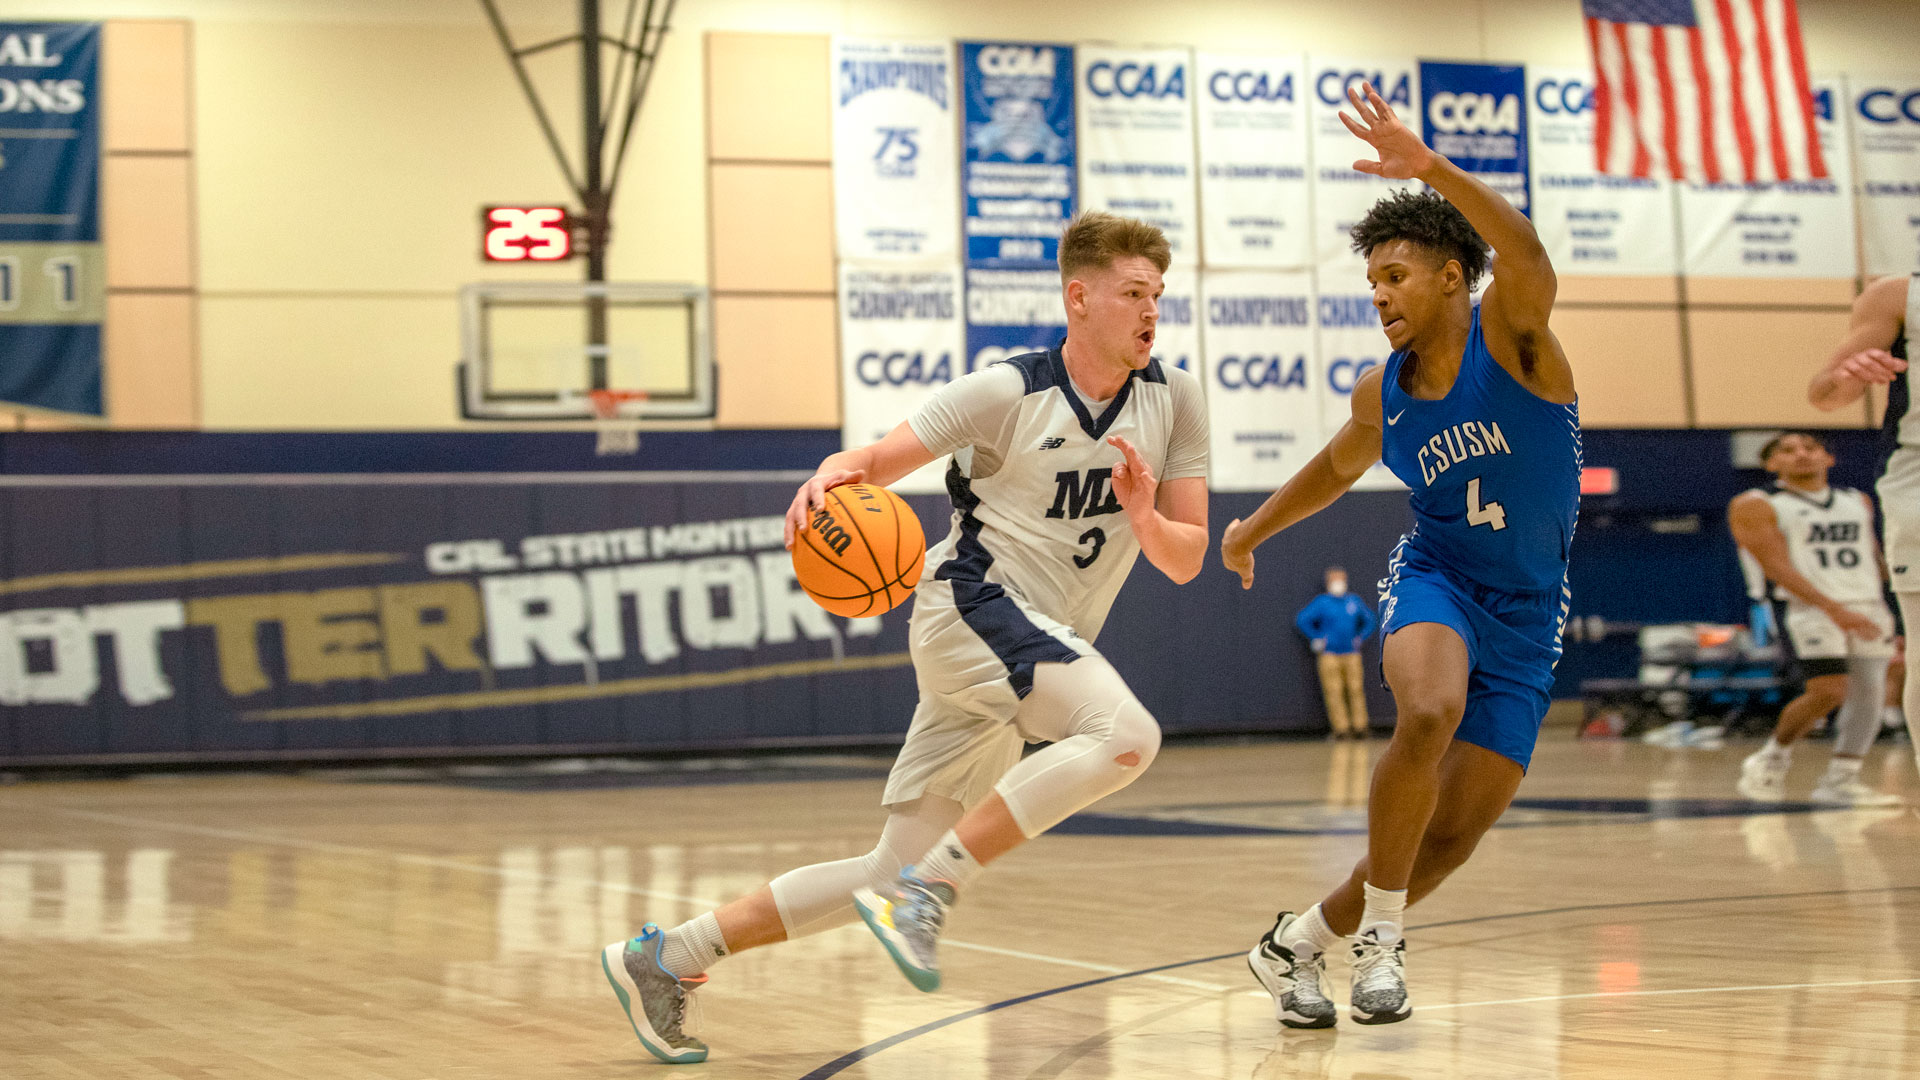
point(1095, 238)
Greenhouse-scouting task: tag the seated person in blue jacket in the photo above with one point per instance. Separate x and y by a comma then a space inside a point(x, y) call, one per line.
point(1338, 623)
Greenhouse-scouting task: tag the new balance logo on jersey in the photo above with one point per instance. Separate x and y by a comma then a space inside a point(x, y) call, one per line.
point(1078, 498)
point(1052, 444)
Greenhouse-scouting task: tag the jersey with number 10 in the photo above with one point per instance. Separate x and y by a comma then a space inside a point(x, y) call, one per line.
point(1495, 473)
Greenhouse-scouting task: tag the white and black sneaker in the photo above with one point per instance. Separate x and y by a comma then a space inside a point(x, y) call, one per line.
point(1297, 984)
point(1379, 980)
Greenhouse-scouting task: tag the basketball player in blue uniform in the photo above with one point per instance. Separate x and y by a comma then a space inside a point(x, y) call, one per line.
point(1475, 412)
point(1066, 466)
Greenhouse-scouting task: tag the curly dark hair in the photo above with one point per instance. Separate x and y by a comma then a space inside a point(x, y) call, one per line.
point(1428, 220)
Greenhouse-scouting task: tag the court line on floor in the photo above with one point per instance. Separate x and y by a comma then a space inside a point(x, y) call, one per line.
point(855, 1057)
point(439, 862)
point(1666, 993)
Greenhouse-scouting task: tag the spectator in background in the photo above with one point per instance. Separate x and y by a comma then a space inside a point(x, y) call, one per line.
point(1339, 623)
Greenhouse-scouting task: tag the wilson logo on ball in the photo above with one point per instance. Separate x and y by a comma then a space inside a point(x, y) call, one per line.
point(830, 532)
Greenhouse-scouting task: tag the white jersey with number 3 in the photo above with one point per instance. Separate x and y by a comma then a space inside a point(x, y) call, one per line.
point(1829, 541)
point(1034, 513)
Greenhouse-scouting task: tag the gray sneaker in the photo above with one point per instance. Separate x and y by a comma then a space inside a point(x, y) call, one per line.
point(1298, 985)
point(1379, 980)
point(655, 1002)
point(907, 914)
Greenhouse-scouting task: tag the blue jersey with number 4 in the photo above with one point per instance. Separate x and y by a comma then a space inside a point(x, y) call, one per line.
point(1495, 473)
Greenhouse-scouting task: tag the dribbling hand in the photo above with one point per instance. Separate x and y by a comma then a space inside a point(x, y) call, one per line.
point(1235, 553)
point(1402, 155)
point(811, 495)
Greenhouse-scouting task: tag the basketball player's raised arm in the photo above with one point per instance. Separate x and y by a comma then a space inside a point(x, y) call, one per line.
point(1756, 528)
point(882, 463)
point(1861, 359)
point(1514, 311)
point(1352, 451)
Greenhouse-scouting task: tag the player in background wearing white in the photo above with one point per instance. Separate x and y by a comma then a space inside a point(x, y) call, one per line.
point(1067, 464)
point(1876, 350)
point(1813, 544)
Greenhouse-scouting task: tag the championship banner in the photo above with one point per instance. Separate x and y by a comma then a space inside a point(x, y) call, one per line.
point(1476, 114)
point(1590, 223)
point(1136, 139)
point(1010, 312)
point(1794, 229)
point(1255, 210)
point(1018, 174)
point(1342, 196)
point(52, 273)
point(1886, 145)
point(1176, 338)
point(1263, 404)
point(1348, 340)
point(901, 339)
point(895, 180)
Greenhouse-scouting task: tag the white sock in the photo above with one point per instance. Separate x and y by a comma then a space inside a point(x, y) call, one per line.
point(1386, 909)
point(693, 946)
point(1776, 749)
point(1309, 935)
point(949, 861)
point(1840, 770)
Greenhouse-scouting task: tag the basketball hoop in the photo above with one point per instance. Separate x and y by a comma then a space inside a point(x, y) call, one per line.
point(615, 434)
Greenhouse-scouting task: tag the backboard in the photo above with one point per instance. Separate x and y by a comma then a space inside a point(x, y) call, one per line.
point(526, 350)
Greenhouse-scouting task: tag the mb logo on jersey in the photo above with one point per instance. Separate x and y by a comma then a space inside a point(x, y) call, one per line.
point(1054, 443)
point(1834, 532)
point(1078, 496)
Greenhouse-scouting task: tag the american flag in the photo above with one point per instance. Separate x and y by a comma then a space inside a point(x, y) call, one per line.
point(1704, 90)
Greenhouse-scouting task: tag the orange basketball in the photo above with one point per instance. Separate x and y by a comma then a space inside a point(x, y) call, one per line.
point(861, 553)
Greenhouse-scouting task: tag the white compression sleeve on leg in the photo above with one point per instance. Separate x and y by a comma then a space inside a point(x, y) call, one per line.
point(1859, 721)
point(1102, 739)
point(1910, 694)
point(820, 897)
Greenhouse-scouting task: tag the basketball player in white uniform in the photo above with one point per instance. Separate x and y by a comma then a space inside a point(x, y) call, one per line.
point(1808, 548)
point(1066, 465)
point(1876, 352)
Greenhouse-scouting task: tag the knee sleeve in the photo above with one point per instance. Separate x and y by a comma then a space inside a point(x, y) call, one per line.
point(819, 897)
point(1104, 739)
point(1858, 724)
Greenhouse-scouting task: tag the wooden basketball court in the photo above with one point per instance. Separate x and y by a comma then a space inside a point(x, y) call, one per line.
point(1629, 919)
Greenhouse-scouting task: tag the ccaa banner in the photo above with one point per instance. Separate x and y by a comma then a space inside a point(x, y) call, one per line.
point(1348, 335)
point(1262, 397)
point(1018, 183)
point(1341, 195)
point(1254, 203)
point(1886, 147)
point(1794, 229)
point(52, 272)
point(901, 339)
point(1591, 224)
point(1176, 340)
point(1136, 139)
point(1010, 312)
point(895, 181)
point(1476, 114)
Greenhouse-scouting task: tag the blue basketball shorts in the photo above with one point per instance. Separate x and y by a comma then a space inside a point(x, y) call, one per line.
point(1513, 642)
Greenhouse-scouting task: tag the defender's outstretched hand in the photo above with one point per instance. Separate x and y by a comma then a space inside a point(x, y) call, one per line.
point(1133, 481)
point(1402, 155)
point(812, 494)
point(1235, 553)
